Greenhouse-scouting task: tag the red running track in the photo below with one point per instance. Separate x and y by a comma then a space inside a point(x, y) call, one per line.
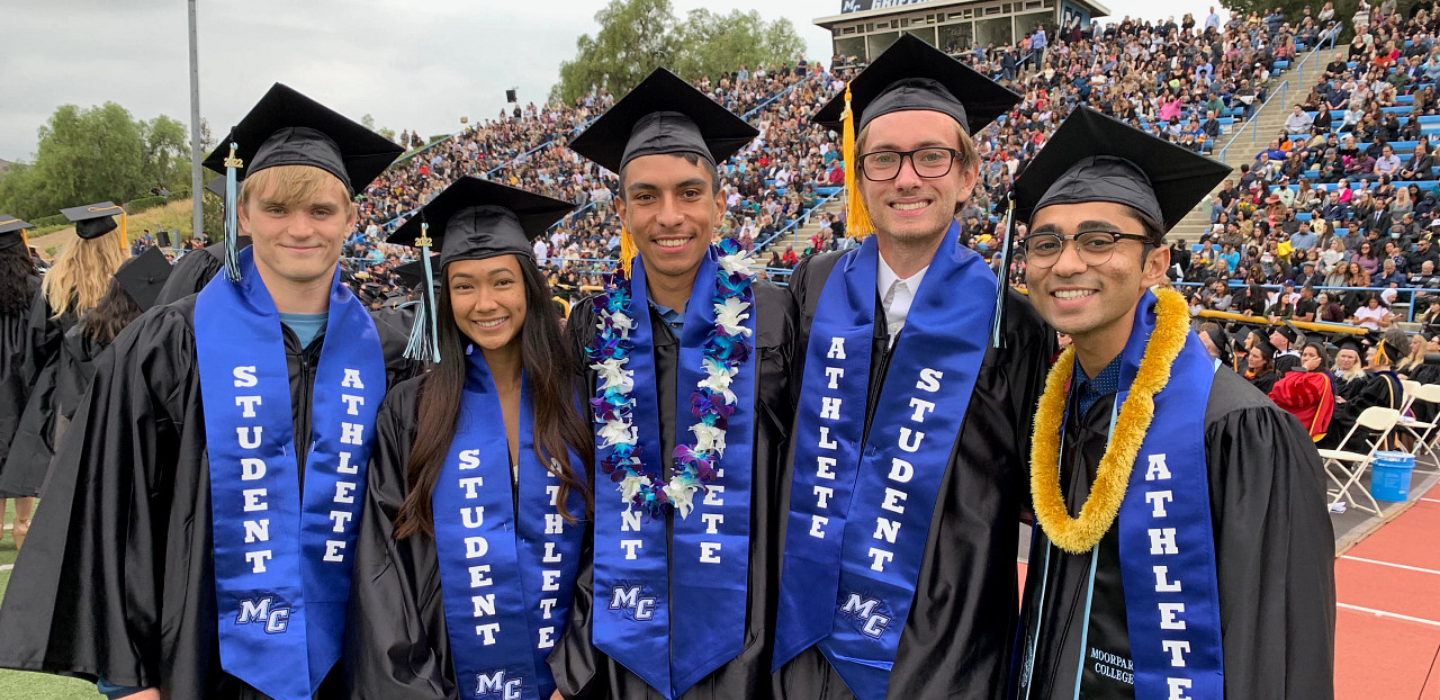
point(1387, 629)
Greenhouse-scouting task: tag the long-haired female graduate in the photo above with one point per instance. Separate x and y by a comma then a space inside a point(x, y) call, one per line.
point(19, 282)
point(488, 503)
point(131, 293)
point(72, 286)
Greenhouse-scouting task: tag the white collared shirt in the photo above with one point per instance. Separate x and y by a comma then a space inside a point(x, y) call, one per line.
point(896, 295)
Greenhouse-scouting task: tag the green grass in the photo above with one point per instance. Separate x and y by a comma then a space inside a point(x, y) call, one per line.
point(19, 685)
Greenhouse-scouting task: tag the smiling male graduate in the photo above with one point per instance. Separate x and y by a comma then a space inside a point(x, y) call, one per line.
point(195, 536)
point(1183, 547)
point(906, 483)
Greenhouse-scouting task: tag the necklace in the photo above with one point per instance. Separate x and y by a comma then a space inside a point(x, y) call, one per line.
point(1081, 534)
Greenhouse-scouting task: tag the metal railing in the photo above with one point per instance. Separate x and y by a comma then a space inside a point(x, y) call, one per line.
point(1403, 295)
point(801, 220)
point(1253, 120)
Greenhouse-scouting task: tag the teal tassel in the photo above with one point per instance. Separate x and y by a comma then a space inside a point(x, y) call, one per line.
point(232, 256)
point(425, 332)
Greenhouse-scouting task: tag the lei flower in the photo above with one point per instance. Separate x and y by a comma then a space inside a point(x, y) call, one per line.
point(727, 347)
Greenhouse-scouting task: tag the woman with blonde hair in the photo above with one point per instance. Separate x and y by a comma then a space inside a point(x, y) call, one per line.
point(73, 285)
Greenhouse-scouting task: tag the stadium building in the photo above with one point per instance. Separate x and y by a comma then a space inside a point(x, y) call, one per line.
point(865, 28)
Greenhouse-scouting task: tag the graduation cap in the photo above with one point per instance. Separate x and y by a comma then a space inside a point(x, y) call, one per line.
point(661, 115)
point(95, 220)
point(288, 128)
point(1290, 333)
point(1266, 350)
point(1221, 340)
point(12, 232)
point(1351, 343)
point(411, 274)
point(143, 276)
point(1094, 158)
point(472, 219)
point(910, 75)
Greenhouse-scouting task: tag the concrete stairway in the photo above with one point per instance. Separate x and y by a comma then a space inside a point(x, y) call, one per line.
point(1266, 126)
point(798, 236)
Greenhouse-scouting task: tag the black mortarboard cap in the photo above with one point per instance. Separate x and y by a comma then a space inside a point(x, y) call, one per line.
point(663, 114)
point(143, 276)
point(411, 274)
point(12, 231)
point(913, 75)
point(1266, 349)
point(473, 219)
point(94, 220)
point(1221, 340)
point(217, 186)
point(1291, 333)
point(1093, 158)
point(288, 128)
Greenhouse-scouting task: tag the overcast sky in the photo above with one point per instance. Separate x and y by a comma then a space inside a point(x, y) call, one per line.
point(412, 64)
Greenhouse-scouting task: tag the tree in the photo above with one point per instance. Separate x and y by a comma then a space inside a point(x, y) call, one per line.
point(711, 45)
point(635, 38)
point(96, 154)
point(368, 122)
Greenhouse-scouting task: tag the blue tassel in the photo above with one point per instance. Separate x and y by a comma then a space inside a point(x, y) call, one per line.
point(425, 332)
point(232, 256)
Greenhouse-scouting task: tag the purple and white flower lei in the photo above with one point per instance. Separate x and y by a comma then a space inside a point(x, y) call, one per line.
point(727, 347)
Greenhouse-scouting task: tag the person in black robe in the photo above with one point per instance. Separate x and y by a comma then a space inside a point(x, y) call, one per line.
point(118, 584)
point(1349, 371)
point(131, 292)
point(19, 283)
point(392, 613)
point(194, 270)
point(668, 137)
point(1380, 387)
point(955, 640)
point(1273, 551)
point(1260, 368)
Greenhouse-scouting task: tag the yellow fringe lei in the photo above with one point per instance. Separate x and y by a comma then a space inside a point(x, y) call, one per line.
point(1080, 535)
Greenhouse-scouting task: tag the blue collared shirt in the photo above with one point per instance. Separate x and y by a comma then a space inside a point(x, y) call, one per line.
point(1089, 391)
point(672, 318)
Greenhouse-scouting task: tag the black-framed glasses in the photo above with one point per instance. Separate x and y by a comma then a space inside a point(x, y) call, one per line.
point(1093, 247)
point(931, 161)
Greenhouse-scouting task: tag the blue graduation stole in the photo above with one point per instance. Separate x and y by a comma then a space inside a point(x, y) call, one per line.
point(861, 505)
point(506, 580)
point(674, 620)
point(282, 559)
point(1167, 543)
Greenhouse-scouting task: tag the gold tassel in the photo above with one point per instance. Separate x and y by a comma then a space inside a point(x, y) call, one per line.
point(627, 251)
point(857, 218)
point(123, 221)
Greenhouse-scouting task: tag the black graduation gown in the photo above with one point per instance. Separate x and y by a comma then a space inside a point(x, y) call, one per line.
point(580, 669)
point(956, 641)
point(116, 580)
point(194, 270)
point(1265, 382)
point(14, 385)
point(33, 445)
point(1274, 549)
point(73, 370)
point(1376, 389)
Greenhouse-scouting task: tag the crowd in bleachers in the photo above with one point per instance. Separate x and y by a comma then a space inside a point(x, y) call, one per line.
point(1186, 81)
point(1346, 194)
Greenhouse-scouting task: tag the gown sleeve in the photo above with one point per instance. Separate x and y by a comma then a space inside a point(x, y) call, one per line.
point(85, 594)
point(390, 649)
point(189, 275)
point(1275, 550)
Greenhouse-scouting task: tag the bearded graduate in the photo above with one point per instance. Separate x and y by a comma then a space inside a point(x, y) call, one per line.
point(19, 283)
point(1183, 548)
point(197, 532)
point(906, 482)
point(72, 286)
point(487, 504)
point(688, 367)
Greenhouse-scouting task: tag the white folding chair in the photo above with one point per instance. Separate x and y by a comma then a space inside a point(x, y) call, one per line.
point(1345, 467)
point(1421, 430)
point(1409, 386)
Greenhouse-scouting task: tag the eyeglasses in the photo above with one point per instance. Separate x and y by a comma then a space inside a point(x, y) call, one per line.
point(1093, 247)
point(933, 161)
